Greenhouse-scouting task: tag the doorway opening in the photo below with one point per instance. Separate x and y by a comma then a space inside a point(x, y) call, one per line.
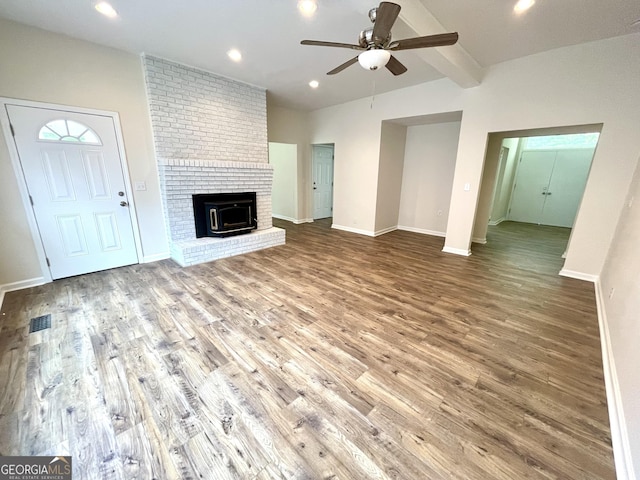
point(284, 191)
point(322, 171)
point(535, 179)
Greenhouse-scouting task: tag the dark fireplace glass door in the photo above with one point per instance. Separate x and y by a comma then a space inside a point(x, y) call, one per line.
point(224, 214)
point(225, 217)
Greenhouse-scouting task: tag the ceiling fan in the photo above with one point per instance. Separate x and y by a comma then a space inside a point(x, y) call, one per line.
point(376, 43)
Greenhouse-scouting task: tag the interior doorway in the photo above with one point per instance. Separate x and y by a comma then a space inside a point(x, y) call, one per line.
point(535, 177)
point(322, 160)
point(284, 191)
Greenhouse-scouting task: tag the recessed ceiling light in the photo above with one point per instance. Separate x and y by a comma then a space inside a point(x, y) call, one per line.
point(523, 5)
point(314, 84)
point(106, 9)
point(307, 7)
point(234, 55)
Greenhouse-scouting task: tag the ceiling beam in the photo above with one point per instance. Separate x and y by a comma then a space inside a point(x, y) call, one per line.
point(453, 62)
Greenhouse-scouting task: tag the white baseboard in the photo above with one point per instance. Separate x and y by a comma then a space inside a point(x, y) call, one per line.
point(377, 233)
point(493, 223)
point(368, 233)
point(457, 251)
point(291, 219)
point(619, 434)
point(155, 258)
point(283, 217)
point(10, 287)
point(482, 241)
point(579, 275)
point(422, 231)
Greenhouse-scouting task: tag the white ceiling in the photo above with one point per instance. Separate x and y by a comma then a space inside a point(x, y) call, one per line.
point(268, 33)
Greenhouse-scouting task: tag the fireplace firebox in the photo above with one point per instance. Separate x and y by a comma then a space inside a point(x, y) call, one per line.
point(225, 214)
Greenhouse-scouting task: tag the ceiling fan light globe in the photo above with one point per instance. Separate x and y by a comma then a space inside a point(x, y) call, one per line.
point(374, 59)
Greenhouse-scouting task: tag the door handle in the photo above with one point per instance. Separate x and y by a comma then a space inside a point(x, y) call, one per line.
point(123, 203)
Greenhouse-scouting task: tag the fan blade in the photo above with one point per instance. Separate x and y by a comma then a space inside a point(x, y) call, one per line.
point(346, 64)
point(395, 67)
point(385, 18)
point(440, 40)
point(319, 43)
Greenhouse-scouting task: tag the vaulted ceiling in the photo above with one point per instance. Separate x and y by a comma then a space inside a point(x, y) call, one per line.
point(268, 33)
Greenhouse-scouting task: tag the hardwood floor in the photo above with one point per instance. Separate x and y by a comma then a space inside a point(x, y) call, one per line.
point(334, 356)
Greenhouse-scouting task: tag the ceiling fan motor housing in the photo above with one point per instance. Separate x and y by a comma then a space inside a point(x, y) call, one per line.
point(366, 40)
point(373, 13)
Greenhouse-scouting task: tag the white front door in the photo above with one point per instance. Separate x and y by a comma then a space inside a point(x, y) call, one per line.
point(322, 181)
point(73, 171)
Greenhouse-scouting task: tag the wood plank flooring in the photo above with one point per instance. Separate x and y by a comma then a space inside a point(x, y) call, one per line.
point(333, 356)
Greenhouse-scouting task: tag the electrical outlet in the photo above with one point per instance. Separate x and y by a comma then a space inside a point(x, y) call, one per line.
point(439, 213)
point(140, 186)
point(611, 292)
point(467, 187)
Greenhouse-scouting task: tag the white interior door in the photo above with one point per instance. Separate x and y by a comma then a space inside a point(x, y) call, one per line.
point(73, 171)
point(322, 181)
point(532, 183)
point(566, 187)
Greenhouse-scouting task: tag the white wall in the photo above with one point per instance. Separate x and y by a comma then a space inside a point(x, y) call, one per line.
point(48, 67)
point(429, 164)
point(18, 261)
point(284, 193)
point(354, 128)
point(392, 151)
point(291, 126)
point(585, 84)
point(621, 272)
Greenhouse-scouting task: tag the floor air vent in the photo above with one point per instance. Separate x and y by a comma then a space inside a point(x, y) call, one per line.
point(40, 323)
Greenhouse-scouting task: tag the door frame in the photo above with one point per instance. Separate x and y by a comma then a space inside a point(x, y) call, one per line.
point(333, 175)
point(22, 184)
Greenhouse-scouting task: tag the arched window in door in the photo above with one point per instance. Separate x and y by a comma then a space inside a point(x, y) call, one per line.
point(63, 130)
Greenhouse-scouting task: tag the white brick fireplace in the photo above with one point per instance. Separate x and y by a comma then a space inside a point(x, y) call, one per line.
point(210, 136)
